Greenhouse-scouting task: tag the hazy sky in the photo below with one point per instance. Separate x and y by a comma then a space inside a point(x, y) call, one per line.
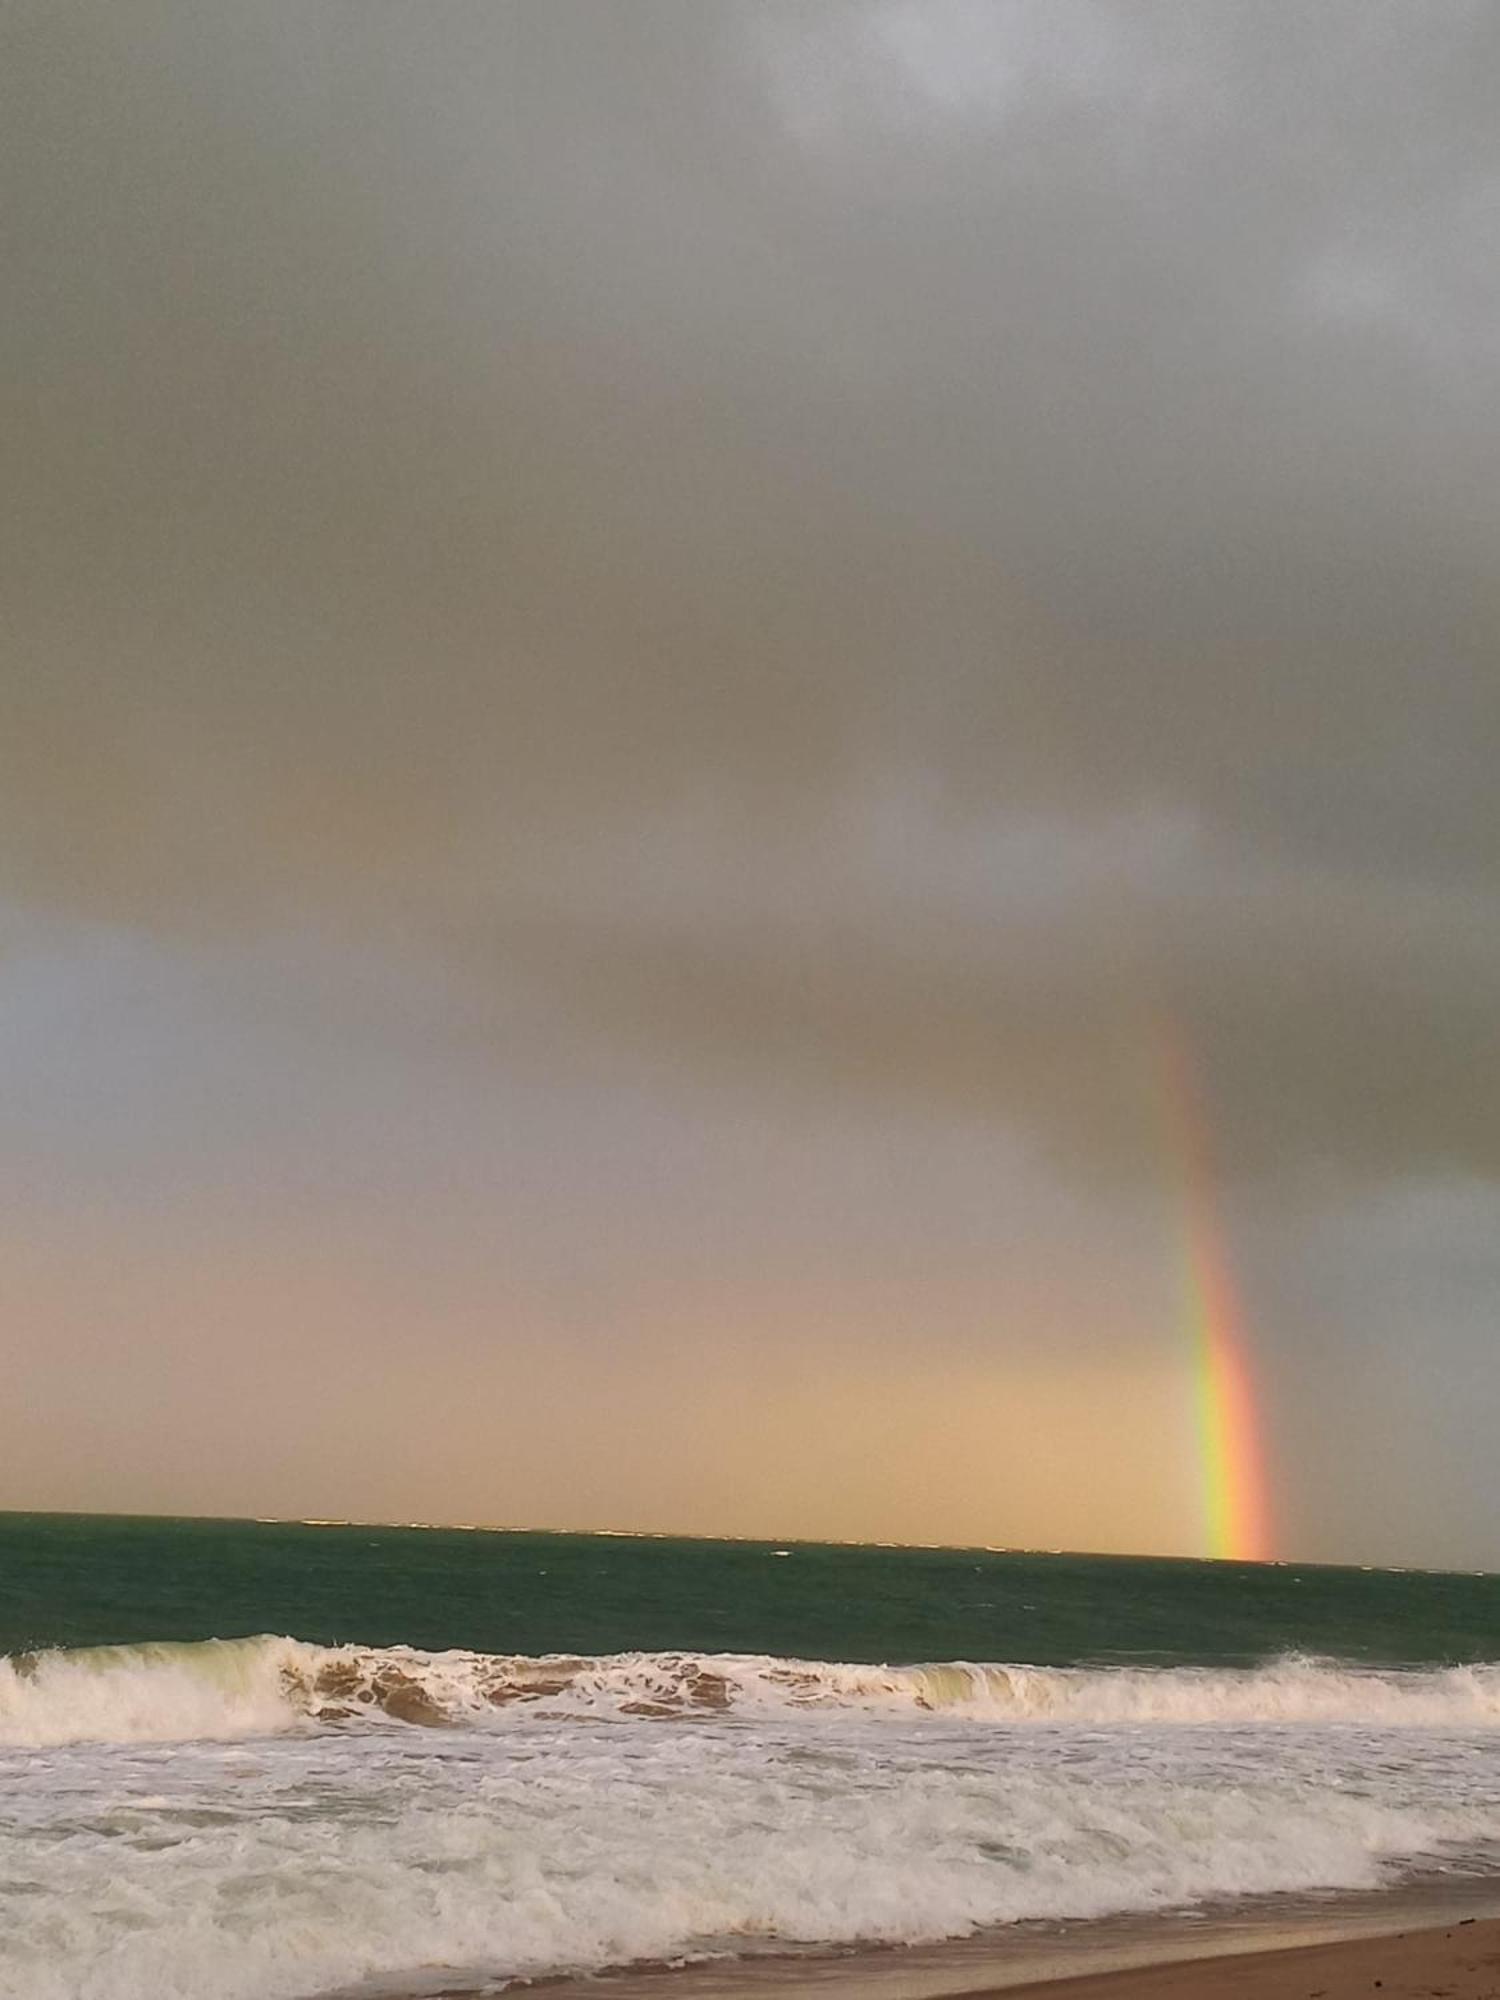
point(650, 650)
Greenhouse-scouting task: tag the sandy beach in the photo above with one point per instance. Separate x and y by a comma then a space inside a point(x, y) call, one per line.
point(1461, 1963)
point(1440, 1945)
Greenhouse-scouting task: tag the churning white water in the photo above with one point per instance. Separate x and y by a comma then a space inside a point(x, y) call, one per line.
point(263, 1820)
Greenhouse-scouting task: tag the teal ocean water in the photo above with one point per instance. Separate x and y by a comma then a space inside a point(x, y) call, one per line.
point(291, 1761)
point(77, 1580)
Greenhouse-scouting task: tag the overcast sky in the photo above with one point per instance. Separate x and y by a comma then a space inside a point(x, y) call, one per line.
point(652, 650)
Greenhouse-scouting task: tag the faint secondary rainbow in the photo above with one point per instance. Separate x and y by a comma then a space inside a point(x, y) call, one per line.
point(1236, 1503)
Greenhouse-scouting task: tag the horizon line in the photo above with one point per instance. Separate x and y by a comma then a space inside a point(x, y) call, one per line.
point(751, 1541)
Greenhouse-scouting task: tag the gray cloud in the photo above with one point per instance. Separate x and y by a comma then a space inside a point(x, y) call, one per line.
point(895, 546)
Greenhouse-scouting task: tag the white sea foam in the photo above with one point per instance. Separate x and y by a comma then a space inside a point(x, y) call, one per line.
point(163, 1693)
point(252, 1820)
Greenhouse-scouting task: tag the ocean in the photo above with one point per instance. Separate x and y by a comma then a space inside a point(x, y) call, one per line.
point(278, 1761)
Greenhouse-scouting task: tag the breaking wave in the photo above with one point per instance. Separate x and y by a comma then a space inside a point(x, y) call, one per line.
point(230, 1688)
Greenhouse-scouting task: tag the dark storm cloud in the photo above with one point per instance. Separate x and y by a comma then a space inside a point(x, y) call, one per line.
point(553, 476)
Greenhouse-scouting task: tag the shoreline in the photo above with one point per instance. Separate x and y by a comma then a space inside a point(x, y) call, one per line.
point(1413, 1942)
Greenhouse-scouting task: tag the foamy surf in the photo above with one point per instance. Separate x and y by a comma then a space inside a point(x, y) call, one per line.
point(228, 1689)
point(264, 1819)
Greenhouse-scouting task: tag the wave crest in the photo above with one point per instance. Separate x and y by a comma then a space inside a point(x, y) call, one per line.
point(226, 1688)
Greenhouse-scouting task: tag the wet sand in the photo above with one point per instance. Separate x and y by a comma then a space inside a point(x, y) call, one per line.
point(1462, 1963)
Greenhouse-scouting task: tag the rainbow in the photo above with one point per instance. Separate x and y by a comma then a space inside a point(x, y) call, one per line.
point(1236, 1503)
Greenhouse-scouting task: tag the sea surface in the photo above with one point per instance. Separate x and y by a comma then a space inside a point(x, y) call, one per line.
point(272, 1761)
